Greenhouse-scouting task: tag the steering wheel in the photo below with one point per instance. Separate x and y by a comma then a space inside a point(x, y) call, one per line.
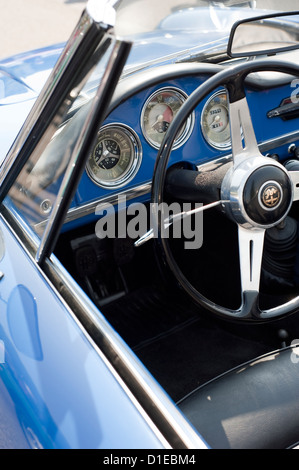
point(256, 191)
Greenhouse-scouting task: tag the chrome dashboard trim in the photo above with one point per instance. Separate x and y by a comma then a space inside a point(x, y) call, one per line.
point(145, 188)
point(90, 208)
point(263, 147)
point(113, 199)
point(279, 141)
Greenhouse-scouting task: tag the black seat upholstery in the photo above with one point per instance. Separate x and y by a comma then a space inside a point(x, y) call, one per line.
point(254, 406)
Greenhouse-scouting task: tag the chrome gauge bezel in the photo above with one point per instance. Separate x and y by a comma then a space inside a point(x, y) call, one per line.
point(188, 126)
point(135, 158)
point(226, 144)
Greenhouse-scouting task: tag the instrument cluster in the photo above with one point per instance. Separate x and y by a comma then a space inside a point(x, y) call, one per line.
point(117, 154)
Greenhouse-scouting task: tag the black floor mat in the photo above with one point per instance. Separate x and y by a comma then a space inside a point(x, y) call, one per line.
point(180, 347)
point(147, 313)
point(193, 354)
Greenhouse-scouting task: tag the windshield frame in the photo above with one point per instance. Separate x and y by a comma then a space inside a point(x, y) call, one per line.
point(88, 43)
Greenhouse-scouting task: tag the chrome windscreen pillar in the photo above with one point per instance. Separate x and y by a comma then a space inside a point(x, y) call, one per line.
point(92, 46)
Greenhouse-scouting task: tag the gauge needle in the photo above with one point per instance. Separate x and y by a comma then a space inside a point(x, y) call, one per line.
point(104, 155)
point(216, 119)
point(159, 119)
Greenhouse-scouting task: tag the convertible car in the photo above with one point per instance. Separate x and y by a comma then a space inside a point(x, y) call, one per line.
point(149, 252)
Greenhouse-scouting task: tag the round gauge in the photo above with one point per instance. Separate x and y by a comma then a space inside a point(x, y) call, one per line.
point(157, 114)
point(215, 121)
point(115, 157)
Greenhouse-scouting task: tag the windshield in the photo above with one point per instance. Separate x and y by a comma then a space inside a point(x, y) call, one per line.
point(201, 14)
point(183, 30)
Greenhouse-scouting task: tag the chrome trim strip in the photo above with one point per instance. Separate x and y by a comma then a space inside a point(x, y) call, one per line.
point(112, 199)
point(90, 208)
point(23, 231)
point(279, 141)
point(263, 147)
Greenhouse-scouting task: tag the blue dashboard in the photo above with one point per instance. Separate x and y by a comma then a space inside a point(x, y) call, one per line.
point(274, 134)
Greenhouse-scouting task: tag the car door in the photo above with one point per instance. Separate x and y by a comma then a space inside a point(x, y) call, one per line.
point(57, 389)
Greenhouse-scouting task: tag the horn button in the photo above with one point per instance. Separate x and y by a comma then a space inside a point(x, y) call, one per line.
point(267, 195)
point(260, 193)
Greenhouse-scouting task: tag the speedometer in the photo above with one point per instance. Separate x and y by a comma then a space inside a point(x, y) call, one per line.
point(115, 157)
point(215, 121)
point(158, 113)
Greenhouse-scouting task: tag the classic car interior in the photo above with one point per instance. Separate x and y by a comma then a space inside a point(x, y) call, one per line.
point(181, 343)
point(179, 309)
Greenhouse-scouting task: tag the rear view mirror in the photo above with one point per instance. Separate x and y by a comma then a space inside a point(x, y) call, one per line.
point(264, 35)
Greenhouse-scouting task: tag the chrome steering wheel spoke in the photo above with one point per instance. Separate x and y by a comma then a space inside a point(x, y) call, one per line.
point(243, 138)
point(251, 244)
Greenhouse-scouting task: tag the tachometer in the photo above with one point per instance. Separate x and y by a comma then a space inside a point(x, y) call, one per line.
point(215, 121)
point(115, 157)
point(157, 114)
